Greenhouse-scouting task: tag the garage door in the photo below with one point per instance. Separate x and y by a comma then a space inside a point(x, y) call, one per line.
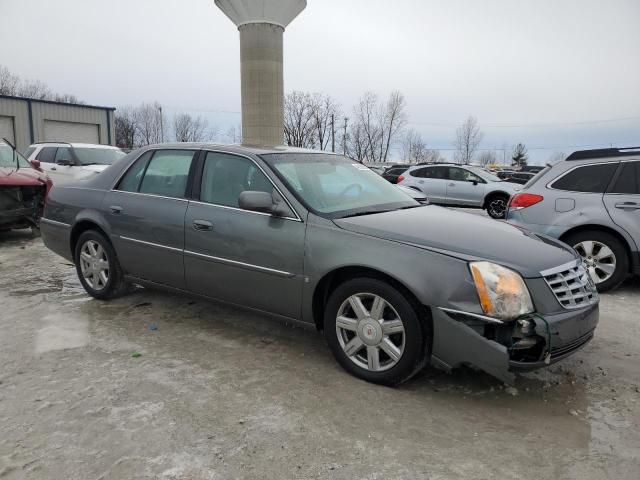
point(55, 131)
point(6, 129)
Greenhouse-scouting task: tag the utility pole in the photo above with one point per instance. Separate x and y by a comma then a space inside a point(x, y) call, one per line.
point(333, 134)
point(161, 126)
point(344, 137)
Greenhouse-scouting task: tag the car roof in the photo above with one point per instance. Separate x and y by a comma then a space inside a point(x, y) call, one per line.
point(603, 154)
point(238, 148)
point(73, 145)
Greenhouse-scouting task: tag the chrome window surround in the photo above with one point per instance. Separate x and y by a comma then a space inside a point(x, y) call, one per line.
point(549, 184)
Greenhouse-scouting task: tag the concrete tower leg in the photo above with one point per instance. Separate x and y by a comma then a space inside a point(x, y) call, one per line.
point(262, 84)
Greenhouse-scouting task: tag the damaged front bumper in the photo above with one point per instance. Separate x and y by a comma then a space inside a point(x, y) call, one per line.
point(501, 349)
point(21, 207)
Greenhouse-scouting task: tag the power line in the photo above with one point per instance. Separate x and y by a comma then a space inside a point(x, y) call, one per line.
point(532, 125)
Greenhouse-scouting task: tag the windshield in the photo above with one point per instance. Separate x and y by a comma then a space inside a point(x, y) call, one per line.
point(8, 157)
point(97, 156)
point(335, 186)
point(482, 173)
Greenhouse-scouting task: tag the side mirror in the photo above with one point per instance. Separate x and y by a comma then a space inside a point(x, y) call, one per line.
point(257, 202)
point(36, 164)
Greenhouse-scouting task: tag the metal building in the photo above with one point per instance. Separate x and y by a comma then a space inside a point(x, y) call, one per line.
point(24, 121)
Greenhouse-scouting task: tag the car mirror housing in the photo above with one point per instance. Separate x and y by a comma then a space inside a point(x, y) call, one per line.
point(257, 202)
point(35, 164)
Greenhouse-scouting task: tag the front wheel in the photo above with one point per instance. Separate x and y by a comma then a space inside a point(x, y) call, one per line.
point(98, 267)
point(497, 206)
point(375, 332)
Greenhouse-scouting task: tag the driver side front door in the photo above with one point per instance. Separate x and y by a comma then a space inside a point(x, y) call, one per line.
point(464, 187)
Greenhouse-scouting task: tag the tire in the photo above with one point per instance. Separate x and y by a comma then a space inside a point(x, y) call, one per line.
point(95, 286)
point(599, 258)
point(412, 342)
point(496, 206)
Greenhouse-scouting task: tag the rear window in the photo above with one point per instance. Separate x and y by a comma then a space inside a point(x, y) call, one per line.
point(629, 179)
point(587, 179)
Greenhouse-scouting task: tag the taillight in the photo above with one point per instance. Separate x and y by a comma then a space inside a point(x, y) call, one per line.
point(524, 200)
point(400, 179)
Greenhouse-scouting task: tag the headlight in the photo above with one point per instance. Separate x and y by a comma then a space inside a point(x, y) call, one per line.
point(502, 292)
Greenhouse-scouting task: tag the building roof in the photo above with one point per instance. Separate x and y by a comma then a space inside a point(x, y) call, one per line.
point(53, 102)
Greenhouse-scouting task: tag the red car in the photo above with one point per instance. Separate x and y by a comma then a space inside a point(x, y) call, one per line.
point(23, 189)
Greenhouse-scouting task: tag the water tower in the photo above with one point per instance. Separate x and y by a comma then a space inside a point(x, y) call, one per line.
point(261, 24)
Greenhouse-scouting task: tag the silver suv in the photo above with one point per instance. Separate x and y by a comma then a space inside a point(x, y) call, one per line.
point(592, 202)
point(461, 185)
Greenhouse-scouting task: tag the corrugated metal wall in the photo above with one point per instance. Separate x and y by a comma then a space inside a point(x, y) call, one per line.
point(18, 109)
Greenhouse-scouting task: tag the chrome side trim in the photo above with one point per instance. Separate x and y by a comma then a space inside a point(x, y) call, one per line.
point(54, 222)
point(474, 315)
point(142, 242)
point(151, 195)
point(240, 264)
point(243, 210)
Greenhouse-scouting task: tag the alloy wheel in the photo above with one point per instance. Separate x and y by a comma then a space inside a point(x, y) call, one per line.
point(370, 332)
point(598, 259)
point(94, 265)
point(497, 208)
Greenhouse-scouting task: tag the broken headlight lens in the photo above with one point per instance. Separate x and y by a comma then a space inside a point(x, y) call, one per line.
point(502, 292)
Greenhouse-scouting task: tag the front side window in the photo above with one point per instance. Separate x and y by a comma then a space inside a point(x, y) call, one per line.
point(587, 179)
point(226, 176)
point(47, 154)
point(335, 186)
point(167, 173)
point(64, 155)
point(462, 175)
point(629, 179)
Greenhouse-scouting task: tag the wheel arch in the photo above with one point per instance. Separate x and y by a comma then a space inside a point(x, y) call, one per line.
point(334, 278)
point(603, 229)
point(79, 228)
point(493, 194)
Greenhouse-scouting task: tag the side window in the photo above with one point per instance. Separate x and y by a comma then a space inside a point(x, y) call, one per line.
point(226, 176)
point(47, 154)
point(588, 179)
point(420, 173)
point(131, 180)
point(439, 173)
point(64, 155)
point(457, 174)
point(629, 179)
point(167, 173)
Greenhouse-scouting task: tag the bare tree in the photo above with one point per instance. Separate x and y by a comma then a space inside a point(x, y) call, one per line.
point(234, 134)
point(393, 122)
point(35, 89)
point(413, 147)
point(468, 137)
point(323, 109)
point(190, 129)
point(299, 120)
point(9, 82)
point(488, 157)
point(150, 121)
point(126, 127)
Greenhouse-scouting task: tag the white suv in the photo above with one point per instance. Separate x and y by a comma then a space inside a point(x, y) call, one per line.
point(64, 162)
point(462, 186)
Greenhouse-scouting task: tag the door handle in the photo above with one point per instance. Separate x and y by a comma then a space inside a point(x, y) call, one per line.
point(452, 184)
point(53, 168)
point(628, 206)
point(420, 181)
point(115, 209)
point(202, 225)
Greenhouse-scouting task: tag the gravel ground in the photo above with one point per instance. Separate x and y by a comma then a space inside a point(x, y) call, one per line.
point(219, 393)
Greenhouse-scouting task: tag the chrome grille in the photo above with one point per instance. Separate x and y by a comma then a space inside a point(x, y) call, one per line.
point(572, 285)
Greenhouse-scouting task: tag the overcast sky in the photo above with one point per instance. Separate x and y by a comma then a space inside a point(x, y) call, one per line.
point(554, 74)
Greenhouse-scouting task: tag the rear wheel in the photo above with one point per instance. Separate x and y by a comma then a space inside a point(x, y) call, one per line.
point(496, 206)
point(98, 267)
point(375, 332)
point(604, 257)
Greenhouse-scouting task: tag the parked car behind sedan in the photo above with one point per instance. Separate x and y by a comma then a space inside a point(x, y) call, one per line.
point(66, 162)
point(591, 201)
point(392, 173)
point(316, 238)
point(23, 189)
point(462, 186)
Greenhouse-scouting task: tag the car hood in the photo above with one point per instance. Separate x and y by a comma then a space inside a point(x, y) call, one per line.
point(466, 236)
point(24, 176)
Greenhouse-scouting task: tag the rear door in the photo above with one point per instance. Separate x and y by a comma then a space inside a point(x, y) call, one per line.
point(46, 156)
point(146, 212)
point(248, 258)
point(622, 199)
point(465, 187)
point(432, 182)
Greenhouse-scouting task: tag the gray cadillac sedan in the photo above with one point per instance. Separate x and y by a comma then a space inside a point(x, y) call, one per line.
point(317, 238)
